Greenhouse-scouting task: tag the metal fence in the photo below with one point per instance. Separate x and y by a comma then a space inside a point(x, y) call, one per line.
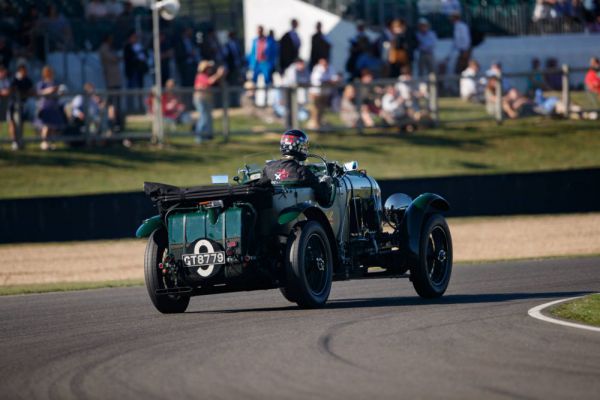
point(357, 106)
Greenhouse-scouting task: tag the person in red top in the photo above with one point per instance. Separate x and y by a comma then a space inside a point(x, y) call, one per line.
point(205, 79)
point(592, 78)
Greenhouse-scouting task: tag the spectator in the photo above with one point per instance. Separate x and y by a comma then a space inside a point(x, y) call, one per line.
point(136, 67)
point(96, 9)
point(173, 108)
point(203, 99)
point(450, 7)
point(187, 57)
point(401, 47)
point(234, 59)
point(367, 58)
point(29, 33)
point(495, 70)
point(348, 114)
point(114, 8)
point(58, 29)
point(392, 106)
point(21, 89)
point(322, 76)
point(471, 84)
point(6, 53)
point(90, 110)
point(369, 99)
point(543, 11)
point(320, 46)
point(461, 43)
point(384, 40)
point(536, 79)
point(409, 94)
point(166, 55)
point(553, 75)
point(289, 46)
point(356, 50)
point(111, 67)
point(361, 32)
point(295, 76)
point(594, 26)
point(50, 115)
point(210, 47)
point(426, 41)
point(513, 104)
point(516, 104)
point(592, 77)
point(259, 59)
point(4, 91)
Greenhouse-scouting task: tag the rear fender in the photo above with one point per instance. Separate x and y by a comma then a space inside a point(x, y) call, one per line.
point(414, 218)
point(148, 226)
point(312, 213)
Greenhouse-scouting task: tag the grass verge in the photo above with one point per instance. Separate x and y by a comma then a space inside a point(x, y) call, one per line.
point(585, 310)
point(66, 286)
point(532, 144)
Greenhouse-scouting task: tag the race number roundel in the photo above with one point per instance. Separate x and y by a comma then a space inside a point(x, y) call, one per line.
point(207, 270)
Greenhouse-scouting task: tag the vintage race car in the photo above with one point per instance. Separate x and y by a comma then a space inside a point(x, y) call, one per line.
point(244, 236)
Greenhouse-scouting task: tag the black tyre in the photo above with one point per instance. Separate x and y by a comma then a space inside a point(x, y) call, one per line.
point(155, 249)
point(287, 295)
point(309, 266)
point(432, 274)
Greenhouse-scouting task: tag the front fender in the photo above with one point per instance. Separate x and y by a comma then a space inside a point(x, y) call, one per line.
point(414, 218)
point(148, 226)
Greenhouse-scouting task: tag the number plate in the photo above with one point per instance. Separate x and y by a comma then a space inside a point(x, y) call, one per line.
point(203, 259)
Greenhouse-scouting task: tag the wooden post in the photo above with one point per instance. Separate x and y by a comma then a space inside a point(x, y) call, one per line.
point(433, 99)
point(499, 95)
point(566, 93)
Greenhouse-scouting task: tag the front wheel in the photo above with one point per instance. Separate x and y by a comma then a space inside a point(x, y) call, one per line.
point(431, 275)
point(309, 266)
point(155, 251)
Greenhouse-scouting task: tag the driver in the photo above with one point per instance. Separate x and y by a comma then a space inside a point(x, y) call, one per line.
point(291, 169)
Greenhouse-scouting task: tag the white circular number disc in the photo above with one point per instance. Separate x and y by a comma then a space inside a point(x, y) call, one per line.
point(206, 271)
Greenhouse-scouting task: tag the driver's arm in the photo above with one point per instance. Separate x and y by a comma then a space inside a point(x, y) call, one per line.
point(321, 187)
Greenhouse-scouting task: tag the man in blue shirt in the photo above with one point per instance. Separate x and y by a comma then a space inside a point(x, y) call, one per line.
point(426, 39)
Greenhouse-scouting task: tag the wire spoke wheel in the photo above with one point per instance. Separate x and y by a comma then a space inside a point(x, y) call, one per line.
point(314, 264)
point(437, 255)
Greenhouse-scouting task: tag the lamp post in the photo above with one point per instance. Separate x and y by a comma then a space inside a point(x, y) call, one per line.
point(168, 10)
point(157, 126)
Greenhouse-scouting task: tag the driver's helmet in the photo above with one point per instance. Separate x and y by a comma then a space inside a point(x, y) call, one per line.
point(294, 143)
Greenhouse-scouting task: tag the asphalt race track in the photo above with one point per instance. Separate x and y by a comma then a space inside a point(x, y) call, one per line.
point(376, 339)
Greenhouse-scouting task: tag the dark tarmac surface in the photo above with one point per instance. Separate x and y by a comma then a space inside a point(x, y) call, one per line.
point(376, 339)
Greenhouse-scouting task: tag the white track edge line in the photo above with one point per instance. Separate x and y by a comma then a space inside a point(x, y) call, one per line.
point(536, 312)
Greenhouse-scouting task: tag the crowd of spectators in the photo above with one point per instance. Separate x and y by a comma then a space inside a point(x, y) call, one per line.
point(401, 56)
point(585, 12)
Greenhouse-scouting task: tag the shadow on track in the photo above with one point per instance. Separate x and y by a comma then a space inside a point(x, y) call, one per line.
point(374, 302)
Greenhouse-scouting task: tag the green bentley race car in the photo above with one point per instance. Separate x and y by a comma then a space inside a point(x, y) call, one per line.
point(243, 235)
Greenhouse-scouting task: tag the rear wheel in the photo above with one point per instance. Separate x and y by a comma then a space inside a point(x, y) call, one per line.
point(431, 275)
point(309, 266)
point(155, 251)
